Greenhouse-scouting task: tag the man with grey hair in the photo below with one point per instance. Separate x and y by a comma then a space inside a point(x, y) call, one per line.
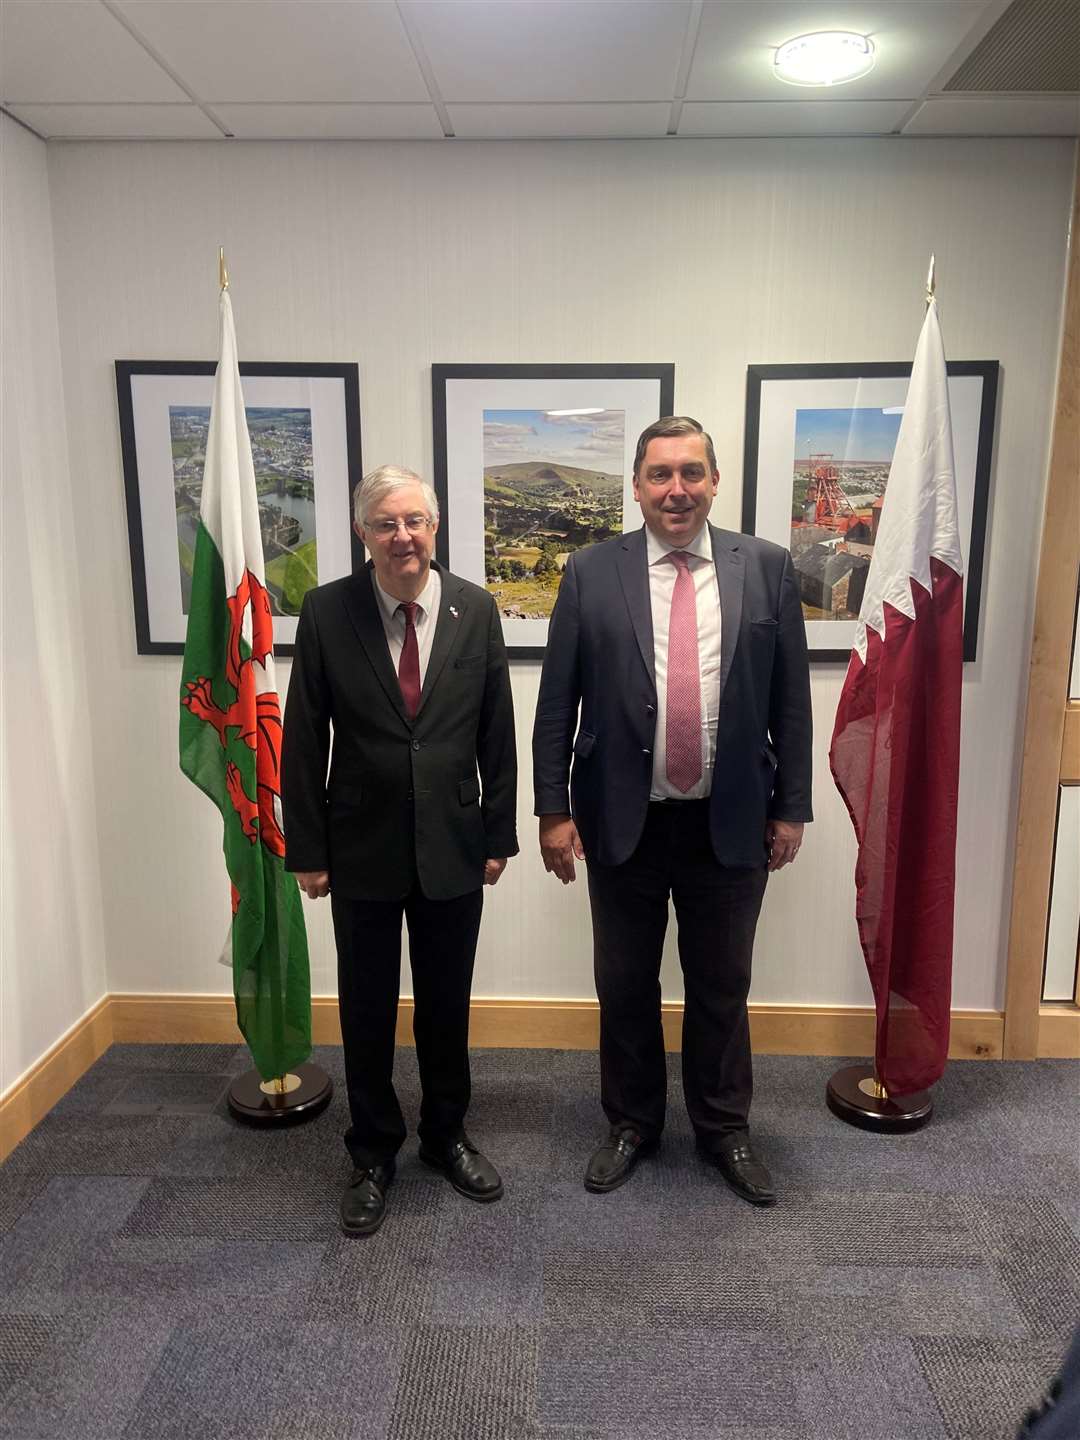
point(406, 663)
point(682, 648)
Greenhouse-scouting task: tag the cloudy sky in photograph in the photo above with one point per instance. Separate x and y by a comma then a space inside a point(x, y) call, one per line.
point(589, 442)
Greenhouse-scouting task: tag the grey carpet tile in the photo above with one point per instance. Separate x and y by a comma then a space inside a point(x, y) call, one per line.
point(488, 1265)
point(386, 1278)
point(869, 1386)
point(51, 1239)
point(113, 1145)
point(207, 1059)
point(665, 1381)
point(89, 1377)
point(460, 1383)
point(620, 1287)
point(23, 1340)
point(871, 1300)
point(1036, 1255)
point(247, 1380)
point(183, 1275)
point(97, 1089)
point(169, 1092)
point(984, 1389)
point(17, 1194)
point(216, 1145)
point(256, 1207)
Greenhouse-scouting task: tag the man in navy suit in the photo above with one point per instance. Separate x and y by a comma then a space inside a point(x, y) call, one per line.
point(676, 681)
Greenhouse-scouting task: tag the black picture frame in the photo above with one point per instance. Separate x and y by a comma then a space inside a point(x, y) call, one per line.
point(773, 393)
point(460, 395)
point(159, 619)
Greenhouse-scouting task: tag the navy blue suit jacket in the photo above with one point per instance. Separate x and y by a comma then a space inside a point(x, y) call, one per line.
point(597, 704)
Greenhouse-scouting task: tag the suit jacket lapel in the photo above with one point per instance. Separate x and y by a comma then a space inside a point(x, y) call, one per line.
point(634, 578)
point(452, 609)
point(363, 610)
point(730, 574)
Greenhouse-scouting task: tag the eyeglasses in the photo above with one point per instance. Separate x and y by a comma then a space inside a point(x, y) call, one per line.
point(386, 528)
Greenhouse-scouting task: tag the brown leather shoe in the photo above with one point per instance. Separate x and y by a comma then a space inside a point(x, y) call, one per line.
point(734, 1157)
point(470, 1173)
point(363, 1205)
point(612, 1164)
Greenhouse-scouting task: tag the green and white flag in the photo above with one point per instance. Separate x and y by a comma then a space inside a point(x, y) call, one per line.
point(230, 733)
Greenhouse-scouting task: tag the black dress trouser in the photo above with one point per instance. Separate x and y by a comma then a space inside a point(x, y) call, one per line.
point(717, 911)
point(442, 948)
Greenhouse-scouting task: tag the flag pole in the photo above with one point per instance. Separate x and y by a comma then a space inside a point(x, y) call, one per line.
point(856, 1093)
point(240, 707)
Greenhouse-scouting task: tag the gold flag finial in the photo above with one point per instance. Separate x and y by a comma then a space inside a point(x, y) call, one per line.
point(930, 281)
point(223, 274)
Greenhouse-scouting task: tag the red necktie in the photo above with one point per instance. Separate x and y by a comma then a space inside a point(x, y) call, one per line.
point(683, 681)
point(409, 665)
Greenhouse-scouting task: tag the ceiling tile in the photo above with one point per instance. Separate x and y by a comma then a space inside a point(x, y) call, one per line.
point(997, 115)
point(737, 40)
point(65, 51)
point(518, 50)
point(117, 122)
point(795, 117)
point(321, 50)
point(331, 122)
point(561, 122)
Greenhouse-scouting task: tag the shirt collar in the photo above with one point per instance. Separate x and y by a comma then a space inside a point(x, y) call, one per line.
point(388, 604)
point(701, 545)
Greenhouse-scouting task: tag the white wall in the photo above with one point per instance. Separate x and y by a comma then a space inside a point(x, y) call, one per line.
point(711, 254)
point(52, 951)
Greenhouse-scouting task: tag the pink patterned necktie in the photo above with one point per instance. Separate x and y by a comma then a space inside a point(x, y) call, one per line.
point(683, 681)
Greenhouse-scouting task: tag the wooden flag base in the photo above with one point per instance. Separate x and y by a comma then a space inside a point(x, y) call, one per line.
point(852, 1097)
point(303, 1094)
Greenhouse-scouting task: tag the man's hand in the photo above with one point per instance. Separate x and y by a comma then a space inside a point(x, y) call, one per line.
point(314, 883)
point(492, 870)
point(559, 843)
point(782, 840)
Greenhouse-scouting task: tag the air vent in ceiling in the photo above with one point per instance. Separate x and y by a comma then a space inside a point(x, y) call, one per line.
point(1034, 47)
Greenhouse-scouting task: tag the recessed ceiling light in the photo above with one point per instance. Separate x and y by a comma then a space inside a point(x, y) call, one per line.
point(827, 57)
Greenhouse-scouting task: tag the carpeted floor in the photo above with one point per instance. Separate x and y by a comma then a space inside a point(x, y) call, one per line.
point(165, 1273)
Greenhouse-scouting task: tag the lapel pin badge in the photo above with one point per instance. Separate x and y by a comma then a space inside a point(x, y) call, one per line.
point(454, 611)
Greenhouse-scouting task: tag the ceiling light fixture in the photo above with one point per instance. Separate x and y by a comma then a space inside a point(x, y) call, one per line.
point(827, 57)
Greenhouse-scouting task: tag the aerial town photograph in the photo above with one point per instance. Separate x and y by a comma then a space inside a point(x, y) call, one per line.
point(285, 481)
point(553, 483)
point(842, 461)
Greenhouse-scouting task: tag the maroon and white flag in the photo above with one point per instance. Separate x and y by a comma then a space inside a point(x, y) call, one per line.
point(895, 752)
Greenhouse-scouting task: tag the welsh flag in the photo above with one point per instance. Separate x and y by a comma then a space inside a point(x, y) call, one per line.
point(895, 751)
point(230, 734)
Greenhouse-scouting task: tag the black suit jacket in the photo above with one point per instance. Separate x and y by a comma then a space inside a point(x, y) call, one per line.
point(600, 658)
point(432, 797)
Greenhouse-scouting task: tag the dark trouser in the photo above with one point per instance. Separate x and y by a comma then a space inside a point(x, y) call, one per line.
point(442, 947)
point(717, 910)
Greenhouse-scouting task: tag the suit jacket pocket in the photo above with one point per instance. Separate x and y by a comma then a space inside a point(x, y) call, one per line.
point(469, 791)
point(469, 662)
point(583, 745)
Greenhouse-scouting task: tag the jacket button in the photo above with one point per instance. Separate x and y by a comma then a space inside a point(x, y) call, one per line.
point(650, 709)
point(416, 744)
point(646, 752)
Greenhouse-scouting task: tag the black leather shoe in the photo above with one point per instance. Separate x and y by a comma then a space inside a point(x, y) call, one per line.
point(612, 1164)
point(363, 1205)
point(734, 1157)
point(470, 1173)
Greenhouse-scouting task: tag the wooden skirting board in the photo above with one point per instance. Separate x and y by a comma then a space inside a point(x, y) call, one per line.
point(526, 1024)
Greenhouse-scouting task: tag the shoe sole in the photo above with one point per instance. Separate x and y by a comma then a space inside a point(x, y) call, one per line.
point(487, 1198)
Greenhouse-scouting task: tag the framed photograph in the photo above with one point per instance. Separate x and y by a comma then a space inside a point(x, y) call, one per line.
point(819, 444)
point(304, 422)
point(533, 462)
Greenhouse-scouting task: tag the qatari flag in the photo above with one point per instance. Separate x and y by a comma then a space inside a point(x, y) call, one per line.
point(895, 752)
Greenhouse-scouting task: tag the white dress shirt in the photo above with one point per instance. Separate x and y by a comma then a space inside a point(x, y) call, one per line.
point(662, 573)
point(427, 617)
